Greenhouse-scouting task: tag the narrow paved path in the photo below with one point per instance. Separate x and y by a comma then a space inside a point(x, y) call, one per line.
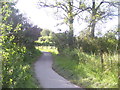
point(47, 77)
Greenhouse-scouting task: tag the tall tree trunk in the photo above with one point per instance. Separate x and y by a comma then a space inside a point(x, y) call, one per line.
point(70, 24)
point(93, 28)
point(93, 19)
point(70, 37)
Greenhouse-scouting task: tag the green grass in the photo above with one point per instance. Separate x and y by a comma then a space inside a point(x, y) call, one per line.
point(88, 74)
point(51, 49)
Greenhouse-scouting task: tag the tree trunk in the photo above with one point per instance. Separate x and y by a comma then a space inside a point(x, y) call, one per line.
point(93, 17)
point(93, 22)
point(93, 29)
point(70, 23)
point(70, 37)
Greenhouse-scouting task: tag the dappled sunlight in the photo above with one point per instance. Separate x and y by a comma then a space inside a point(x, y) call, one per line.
point(45, 43)
point(51, 49)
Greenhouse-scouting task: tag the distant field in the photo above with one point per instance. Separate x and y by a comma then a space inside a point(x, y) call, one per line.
point(51, 49)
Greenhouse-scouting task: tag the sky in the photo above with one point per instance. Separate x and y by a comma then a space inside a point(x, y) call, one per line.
point(45, 18)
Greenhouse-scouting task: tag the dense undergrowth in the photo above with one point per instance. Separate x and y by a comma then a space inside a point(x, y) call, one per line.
point(88, 61)
point(88, 73)
point(18, 71)
point(86, 70)
point(17, 50)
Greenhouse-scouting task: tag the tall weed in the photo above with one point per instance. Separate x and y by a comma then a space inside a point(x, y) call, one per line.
point(87, 70)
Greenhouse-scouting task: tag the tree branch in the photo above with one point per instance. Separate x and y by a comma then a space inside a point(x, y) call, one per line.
point(99, 5)
point(58, 5)
point(115, 4)
point(81, 10)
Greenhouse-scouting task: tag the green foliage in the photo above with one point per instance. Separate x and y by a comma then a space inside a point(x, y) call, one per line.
point(95, 45)
point(51, 49)
point(44, 41)
point(30, 35)
point(87, 44)
point(88, 53)
point(16, 59)
point(46, 32)
point(24, 33)
point(60, 40)
point(17, 68)
point(88, 72)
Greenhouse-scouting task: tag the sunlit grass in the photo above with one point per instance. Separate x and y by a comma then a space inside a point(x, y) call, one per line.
point(88, 74)
point(51, 49)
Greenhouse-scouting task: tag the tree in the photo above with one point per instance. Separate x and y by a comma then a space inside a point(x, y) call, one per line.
point(101, 10)
point(27, 33)
point(45, 32)
point(14, 54)
point(30, 35)
point(60, 41)
point(67, 11)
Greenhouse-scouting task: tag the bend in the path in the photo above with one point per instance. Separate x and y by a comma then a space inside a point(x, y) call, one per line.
point(47, 77)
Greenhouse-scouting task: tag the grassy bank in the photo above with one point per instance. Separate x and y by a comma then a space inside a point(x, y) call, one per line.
point(88, 74)
point(86, 69)
point(28, 70)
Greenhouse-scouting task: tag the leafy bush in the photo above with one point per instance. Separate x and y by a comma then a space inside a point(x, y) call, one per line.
point(96, 45)
point(16, 59)
point(60, 40)
point(45, 41)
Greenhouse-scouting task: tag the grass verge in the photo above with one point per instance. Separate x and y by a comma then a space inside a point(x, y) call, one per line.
point(88, 74)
